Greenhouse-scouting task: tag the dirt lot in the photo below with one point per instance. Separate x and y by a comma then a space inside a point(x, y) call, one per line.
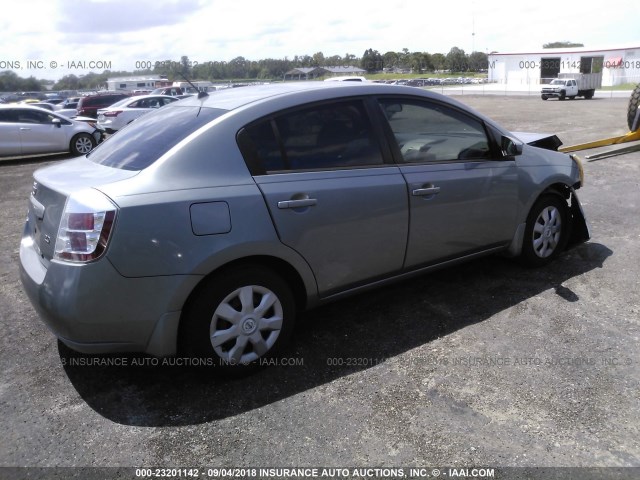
point(486, 364)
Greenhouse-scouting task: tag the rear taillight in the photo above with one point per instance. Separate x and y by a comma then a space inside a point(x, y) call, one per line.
point(112, 113)
point(85, 227)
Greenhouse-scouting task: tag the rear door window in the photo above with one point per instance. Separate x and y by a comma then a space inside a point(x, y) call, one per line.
point(320, 137)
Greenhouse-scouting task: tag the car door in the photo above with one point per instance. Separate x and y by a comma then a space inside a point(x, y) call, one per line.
point(330, 193)
point(462, 191)
point(9, 133)
point(38, 133)
point(574, 87)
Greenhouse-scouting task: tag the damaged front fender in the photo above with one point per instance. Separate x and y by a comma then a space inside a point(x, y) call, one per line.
point(580, 232)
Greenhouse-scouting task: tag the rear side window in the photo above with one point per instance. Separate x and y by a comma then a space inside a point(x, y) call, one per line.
point(327, 136)
point(151, 136)
point(431, 132)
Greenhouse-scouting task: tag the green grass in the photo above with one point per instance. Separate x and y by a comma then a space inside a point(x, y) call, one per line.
point(409, 76)
point(624, 86)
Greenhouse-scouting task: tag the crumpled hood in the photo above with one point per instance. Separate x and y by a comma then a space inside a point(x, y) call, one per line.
point(541, 140)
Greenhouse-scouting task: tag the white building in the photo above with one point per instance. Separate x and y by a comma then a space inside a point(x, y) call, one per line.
point(619, 65)
point(141, 83)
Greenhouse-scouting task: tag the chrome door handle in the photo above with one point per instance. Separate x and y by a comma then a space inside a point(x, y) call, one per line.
point(25, 128)
point(419, 192)
point(305, 202)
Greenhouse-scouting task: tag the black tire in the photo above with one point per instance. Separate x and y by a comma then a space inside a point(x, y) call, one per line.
point(562, 95)
point(82, 143)
point(544, 97)
point(633, 118)
point(589, 95)
point(231, 302)
point(572, 97)
point(546, 231)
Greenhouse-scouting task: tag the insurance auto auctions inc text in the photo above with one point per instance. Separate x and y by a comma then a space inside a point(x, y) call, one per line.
point(368, 473)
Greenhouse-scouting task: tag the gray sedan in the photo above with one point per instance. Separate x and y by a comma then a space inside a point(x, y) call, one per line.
point(27, 130)
point(202, 228)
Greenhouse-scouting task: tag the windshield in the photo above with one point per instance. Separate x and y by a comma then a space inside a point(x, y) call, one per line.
point(557, 81)
point(148, 138)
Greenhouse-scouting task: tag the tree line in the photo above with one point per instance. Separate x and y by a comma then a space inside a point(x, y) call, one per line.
point(241, 68)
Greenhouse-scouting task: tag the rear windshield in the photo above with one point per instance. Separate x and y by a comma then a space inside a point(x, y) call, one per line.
point(148, 138)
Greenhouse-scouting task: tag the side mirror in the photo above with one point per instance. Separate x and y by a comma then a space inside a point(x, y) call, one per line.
point(510, 146)
point(57, 122)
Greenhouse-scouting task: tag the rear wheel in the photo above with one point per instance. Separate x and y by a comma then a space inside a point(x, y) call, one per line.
point(82, 143)
point(633, 115)
point(238, 318)
point(545, 234)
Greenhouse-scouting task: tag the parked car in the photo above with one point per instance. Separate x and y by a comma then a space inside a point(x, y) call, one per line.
point(352, 78)
point(70, 113)
point(70, 102)
point(45, 105)
point(27, 130)
point(88, 106)
point(54, 100)
point(127, 110)
point(203, 227)
point(171, 91)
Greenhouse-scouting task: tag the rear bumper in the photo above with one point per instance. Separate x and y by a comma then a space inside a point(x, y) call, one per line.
point(94, 309)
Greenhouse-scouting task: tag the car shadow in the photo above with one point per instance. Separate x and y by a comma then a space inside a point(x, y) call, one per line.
point(330, 342)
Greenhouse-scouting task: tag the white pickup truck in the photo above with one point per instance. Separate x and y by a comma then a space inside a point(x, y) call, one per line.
point(572, 85)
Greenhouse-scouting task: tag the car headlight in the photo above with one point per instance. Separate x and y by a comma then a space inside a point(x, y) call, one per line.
point(578, 162)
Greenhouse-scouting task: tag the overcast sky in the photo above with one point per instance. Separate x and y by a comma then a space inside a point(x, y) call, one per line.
point(120, 33)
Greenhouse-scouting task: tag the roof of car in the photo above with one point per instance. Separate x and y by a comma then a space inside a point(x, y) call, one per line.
point(25, 106)
point(6, 106)
point(232, 98)
point(150, 95)
point(283, 95)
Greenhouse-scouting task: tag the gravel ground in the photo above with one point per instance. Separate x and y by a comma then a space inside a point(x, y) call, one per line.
point(483, 364)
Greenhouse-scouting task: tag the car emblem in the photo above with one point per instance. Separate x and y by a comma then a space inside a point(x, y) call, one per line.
point(47, 239)
point(34, 189)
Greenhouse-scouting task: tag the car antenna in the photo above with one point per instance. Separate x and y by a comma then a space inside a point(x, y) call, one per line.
point(201, 94)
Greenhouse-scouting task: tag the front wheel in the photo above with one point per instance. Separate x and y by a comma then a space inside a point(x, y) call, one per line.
point(82, 143)
point(238, 318)
point(562, 96)
point(546, 230)
point(544, 97)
